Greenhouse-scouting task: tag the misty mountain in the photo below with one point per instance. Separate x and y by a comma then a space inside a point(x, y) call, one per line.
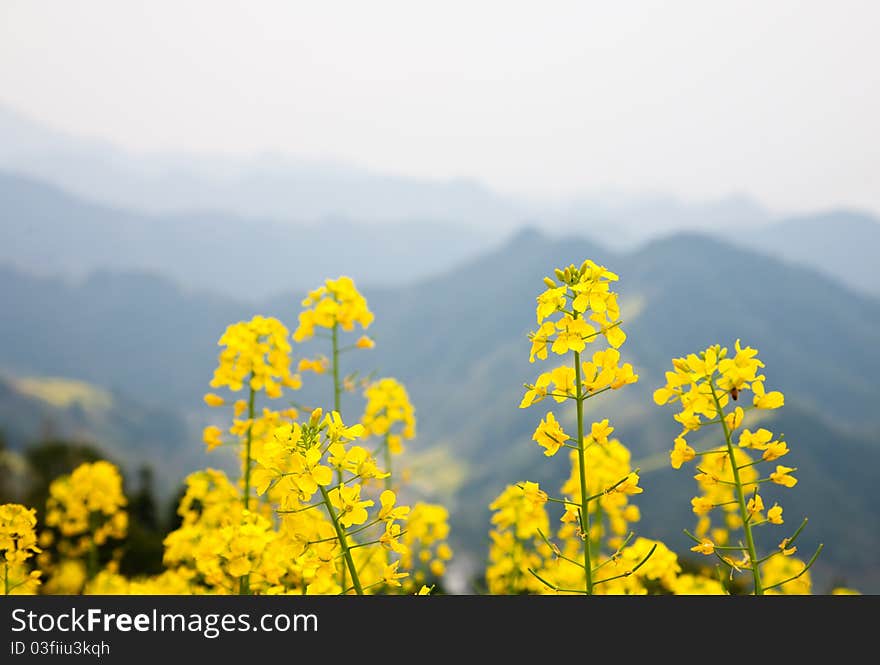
point(269, 186)
point(458, 341)
point(290, 190)
point(47, 231)
point(842, 244)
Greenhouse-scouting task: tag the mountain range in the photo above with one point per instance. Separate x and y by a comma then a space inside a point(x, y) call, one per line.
point(50, 232)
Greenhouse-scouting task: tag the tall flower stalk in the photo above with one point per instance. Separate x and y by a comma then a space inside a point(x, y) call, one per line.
point(706, 385)
point(255, 357)
point(578, 310)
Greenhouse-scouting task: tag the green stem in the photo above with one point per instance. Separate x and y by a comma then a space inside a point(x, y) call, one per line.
point(337, 387)
point(337, 399)
point(740, 496)
point(343, 543)
point(6, 579)
point(244, 583)
point(582, 470)
point(247, 451)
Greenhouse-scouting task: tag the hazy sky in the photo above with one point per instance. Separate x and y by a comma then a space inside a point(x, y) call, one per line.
point(699, 99)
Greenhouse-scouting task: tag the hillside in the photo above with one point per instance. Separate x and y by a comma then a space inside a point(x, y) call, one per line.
point(269, 185)
point(50, 232)
point(458, 341)
point(35, 409)
point(840, 244)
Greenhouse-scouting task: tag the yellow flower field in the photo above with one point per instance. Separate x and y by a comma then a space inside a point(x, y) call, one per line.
point(318, 503)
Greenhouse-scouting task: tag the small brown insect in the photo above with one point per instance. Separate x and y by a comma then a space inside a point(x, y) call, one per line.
point(734, 392)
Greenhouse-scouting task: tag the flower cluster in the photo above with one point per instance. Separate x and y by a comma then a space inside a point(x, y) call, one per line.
point(318, 474)
point(612, 481)
point(578, 311)
point(425, 540)
point(18, 543)
point(337, 303)
point(85, 513)
point(523, 559)
point(256, 354)
point(705, 385)
point(519, 516)
point(89, 502)
point(389, 413)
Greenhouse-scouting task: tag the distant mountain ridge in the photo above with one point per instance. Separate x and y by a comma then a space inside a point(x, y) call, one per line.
point(842, 244)
point(47, 231)
point(267, 186)
point(290, 190)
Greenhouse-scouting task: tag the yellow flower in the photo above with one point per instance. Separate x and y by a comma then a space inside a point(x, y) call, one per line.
point(391, 538)
point(256, 353)
point(551, 301)
point(364, 342)
point(533, 494)
point(563, 382)
point(388, 409)
point(706, 479)
point(701, 505)
point(89, 502)
point(600, 431)
point(630, 485)
point(347, 500)
point(758, 440)
point(18, 537)
point(212, 399)
point(212, 436)
point(734, 420)
point(335, 303)
point(771, 400)
point(782, 476)
point(550, 435)
point(307, 472)
point(785, 549)
point(390, 575)
point(338, 430)
point(537, 392)
point(681, 453)
point(755, 505)
point(572, 336)
point(775, 450)
point(317, 365)
point(388, 510)
point(540, 340)
point(705, 546)
point(774, 515)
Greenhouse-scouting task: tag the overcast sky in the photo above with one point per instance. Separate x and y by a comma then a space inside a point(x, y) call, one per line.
point(779, 100)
